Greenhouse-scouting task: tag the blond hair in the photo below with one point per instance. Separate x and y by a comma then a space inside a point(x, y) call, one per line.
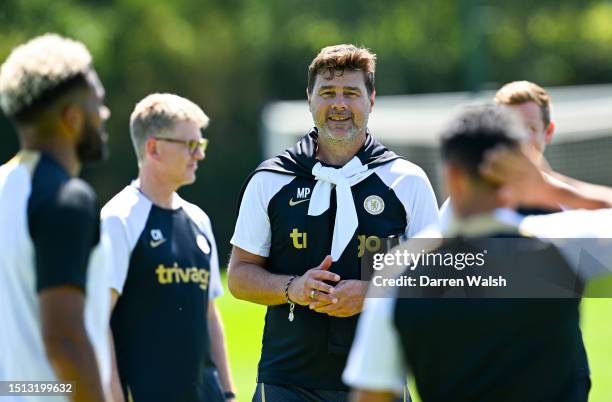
point(159, 112)
point(335, 59)
point(37, 67)
point(519, 92)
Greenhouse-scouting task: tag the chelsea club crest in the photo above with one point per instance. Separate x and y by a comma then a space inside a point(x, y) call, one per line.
point(374, 205)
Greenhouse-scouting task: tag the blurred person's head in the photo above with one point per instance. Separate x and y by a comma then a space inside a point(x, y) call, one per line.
point(166, 134)
point(341, 94)
point(51, 92)
point(532, 103)
point(464, 144)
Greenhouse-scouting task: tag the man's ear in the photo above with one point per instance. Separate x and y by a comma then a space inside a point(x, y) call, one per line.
point(372, 98)
point(548, 134)
point(150, 149)
point(72, 119)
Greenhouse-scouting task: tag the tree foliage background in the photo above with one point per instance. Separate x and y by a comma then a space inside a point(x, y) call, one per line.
point(234, 56)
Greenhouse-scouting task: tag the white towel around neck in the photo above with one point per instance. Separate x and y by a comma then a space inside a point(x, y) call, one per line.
point(346, 214)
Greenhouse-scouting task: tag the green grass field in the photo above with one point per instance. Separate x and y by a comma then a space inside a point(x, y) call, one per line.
point(244, 324)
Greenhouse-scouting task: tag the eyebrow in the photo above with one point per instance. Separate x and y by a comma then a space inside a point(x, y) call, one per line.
point(326, 87)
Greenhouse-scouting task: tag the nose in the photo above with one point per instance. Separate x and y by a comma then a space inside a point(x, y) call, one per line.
point(198, 154)
point(339, 102)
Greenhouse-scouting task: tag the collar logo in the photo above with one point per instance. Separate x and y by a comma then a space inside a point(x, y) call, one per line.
point(374, 205)
point(157, 238)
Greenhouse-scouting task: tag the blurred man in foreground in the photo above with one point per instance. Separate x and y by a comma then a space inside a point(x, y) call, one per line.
point(476, 350)
point(54, 308)
point(168, 334)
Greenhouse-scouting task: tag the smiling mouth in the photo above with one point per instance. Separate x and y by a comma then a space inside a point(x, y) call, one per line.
point(339, 118)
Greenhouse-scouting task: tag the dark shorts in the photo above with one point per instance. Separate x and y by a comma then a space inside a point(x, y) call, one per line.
point(289, 393)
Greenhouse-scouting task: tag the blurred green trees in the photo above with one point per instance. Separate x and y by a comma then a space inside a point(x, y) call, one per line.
point(233, 56)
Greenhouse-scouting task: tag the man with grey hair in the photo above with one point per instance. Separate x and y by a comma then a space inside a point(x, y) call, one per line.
point(167, 332)
point(54, 306)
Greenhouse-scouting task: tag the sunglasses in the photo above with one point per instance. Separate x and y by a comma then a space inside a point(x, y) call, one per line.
point(192, 145)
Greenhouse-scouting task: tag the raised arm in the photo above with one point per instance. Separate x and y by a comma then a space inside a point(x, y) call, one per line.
point(523, 182)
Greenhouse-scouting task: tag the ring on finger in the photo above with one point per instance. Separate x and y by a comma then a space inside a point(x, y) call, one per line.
point(313, 294)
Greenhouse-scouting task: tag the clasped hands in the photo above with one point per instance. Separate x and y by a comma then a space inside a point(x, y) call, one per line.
point(344, 299)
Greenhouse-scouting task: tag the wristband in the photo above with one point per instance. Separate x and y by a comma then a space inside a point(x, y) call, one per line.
point(291, 304)
point(229, 395)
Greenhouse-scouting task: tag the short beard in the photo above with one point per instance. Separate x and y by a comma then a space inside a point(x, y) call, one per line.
point(327, 133)
point(92, 147)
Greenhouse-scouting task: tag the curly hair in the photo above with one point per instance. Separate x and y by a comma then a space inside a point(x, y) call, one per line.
point(38, 68)
point(333, 60)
